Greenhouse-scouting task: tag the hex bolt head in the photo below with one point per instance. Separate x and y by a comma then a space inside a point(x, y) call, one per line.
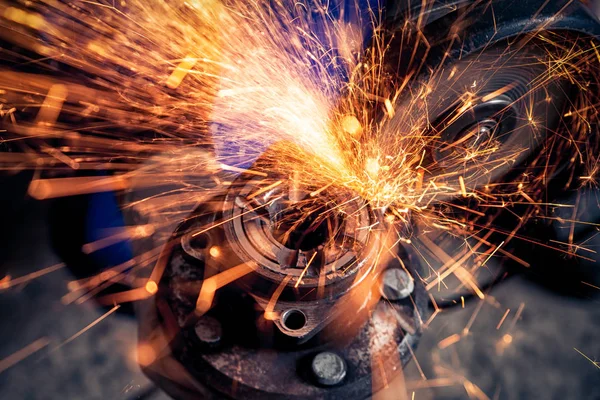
point(208, 331)
point(396, 284)
point(328, 368)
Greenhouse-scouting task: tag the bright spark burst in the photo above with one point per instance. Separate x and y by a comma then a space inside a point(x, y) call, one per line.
point(176, 97)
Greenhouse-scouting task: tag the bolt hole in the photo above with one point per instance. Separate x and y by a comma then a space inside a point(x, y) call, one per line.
point(199, 241)
point(194, 246)
point(293, 320)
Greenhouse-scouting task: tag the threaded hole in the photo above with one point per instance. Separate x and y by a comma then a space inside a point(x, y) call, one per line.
point(293, 320)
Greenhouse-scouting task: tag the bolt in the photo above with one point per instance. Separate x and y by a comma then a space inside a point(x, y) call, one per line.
point(328, 368)
point(396, 284)
point(209, 331)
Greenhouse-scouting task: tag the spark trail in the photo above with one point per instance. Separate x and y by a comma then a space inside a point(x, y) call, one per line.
point(174, 98)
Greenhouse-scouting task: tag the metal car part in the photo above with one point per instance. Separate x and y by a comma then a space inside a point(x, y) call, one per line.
point(279, 359)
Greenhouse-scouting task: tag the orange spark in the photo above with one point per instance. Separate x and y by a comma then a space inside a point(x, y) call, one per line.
point(8, 282)
point(449, 341)
point(264, 189)
point(269, 314)
point(215, 282)
point(214, 251)
point(463, 189)
point(22, 354)
point(88, 327)
point(305, 269)
point(184, 67)
point(503, 318)
point(151, 287)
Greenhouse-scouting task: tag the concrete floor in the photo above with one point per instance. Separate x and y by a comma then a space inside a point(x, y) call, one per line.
point(99, 364)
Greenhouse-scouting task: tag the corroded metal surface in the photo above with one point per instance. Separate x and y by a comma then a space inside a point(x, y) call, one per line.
point(256, 359)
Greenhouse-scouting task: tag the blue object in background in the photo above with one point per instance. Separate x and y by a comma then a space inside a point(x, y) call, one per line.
point(103, 214)
point(358, 13)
